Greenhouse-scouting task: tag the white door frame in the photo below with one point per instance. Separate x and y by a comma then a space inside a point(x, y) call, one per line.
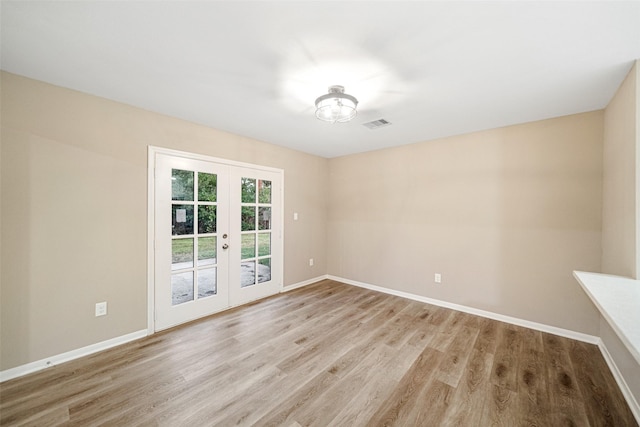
point(151, 199)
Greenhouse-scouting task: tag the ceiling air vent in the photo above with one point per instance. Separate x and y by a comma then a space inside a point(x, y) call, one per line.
point(376, 124)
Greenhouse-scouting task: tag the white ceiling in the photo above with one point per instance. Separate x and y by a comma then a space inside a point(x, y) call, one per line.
point(433, 69)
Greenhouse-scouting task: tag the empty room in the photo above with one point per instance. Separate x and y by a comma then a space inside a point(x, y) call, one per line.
point(327, 213)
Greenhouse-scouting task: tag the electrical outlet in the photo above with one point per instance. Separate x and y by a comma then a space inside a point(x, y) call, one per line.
point(437, 278)
point(101, 309)
point(295, 216)
point(310, 262)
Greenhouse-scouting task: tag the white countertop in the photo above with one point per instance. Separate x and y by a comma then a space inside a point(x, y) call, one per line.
point(618, 299)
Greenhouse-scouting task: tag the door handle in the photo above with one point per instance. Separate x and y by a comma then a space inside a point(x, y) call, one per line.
point(225, 246)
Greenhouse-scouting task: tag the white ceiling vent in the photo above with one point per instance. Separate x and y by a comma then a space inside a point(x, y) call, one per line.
point(376, 124)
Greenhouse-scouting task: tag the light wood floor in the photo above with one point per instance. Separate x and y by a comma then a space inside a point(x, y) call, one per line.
point(328, 354)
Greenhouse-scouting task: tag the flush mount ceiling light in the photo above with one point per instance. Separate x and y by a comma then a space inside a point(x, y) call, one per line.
point(336, 106)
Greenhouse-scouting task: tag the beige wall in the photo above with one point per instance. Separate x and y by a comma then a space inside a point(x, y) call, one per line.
point(74, 213)
point(504, 215)
point(621, 207)
point(621, 160)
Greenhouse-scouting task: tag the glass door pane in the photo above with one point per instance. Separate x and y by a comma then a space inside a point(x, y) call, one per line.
point(182, 248)
point(255, 266)
point(256, 215)
point(189, 243)
point(206, 270)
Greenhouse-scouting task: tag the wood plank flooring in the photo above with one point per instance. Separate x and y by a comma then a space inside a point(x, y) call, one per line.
point(328, 354)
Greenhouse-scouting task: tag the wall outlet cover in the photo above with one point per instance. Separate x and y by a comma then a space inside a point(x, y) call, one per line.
point(101, 309)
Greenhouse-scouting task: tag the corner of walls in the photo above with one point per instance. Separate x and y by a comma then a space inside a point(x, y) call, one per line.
point(637, 168)
point(621, 180)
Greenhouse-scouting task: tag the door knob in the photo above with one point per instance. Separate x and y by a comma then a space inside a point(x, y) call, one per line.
point(225, 246)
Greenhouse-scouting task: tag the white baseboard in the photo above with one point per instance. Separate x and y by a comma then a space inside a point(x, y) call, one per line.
point(304, 283)
point(624, 387)
point(39, 365)
point(482, 313)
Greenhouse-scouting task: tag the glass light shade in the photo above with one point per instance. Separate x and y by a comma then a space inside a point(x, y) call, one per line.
point(336, 106)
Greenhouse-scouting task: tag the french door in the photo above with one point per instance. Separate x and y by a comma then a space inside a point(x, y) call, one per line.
point(217, 236)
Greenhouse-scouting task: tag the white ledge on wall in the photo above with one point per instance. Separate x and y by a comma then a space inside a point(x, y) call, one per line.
point(618, 299)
